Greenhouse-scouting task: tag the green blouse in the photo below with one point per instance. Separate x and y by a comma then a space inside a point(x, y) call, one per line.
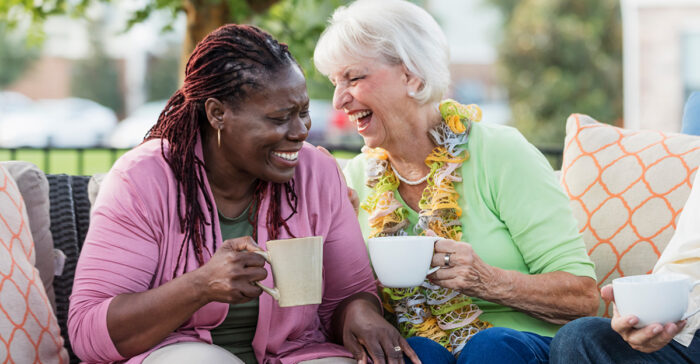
point(236, 333)
point(515, 215)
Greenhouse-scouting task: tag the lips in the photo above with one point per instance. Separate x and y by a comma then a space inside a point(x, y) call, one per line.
point(290, 156)
point(361, 118)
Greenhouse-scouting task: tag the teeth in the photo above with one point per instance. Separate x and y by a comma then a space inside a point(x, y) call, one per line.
point(287, 156)
point(358, 115)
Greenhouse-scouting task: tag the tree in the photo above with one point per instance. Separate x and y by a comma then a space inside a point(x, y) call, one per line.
point(558, 57)
point(15, 56)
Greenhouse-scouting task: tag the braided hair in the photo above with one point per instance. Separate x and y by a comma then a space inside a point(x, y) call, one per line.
point(227, 64)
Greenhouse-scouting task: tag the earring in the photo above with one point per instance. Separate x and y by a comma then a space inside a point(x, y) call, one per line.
point(412, 93)
point(218, 137)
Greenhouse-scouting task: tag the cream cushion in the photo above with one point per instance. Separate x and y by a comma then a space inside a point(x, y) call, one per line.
point(29, 332)
point(34, 187)
point(627, 189)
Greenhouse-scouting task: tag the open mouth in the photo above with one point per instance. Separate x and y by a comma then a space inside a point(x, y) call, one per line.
point(289, 156)
point(361, 118)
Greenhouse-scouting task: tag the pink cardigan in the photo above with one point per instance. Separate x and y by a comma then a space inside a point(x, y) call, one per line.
point(133, 241)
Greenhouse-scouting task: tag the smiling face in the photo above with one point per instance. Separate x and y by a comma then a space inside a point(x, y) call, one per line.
point(262, 135)
point(375, 97)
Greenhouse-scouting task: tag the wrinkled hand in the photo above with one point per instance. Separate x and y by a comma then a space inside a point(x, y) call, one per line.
point(366, 331)
point(466, 273)
point(231, 273)
point(352, 194)
point(647, 339)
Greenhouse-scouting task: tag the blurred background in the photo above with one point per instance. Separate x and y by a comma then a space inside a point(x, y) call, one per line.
point(81, 81)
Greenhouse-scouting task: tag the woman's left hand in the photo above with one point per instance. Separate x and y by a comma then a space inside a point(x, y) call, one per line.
point(366, 331)
point(461, 269)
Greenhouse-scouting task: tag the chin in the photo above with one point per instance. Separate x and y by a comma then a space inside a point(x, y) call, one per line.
point(280, 177)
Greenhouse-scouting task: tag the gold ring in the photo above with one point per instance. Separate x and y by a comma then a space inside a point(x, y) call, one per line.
point(447, 260)
point(397, 348)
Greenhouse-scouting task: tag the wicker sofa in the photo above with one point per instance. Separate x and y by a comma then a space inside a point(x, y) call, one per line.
point(626, 190)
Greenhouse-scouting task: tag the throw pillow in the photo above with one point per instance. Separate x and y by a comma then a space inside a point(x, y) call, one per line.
point(627, 189)
point(29, 331)
point(34, 188)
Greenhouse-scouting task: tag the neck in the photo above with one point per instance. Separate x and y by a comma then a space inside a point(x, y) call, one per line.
point(409, 158)
point(230, 187)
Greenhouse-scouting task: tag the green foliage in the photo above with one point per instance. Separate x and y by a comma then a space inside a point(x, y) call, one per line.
point(559, 57)
point(161, 78)
point(299, 23)
point(15, 56)
point(97, 77)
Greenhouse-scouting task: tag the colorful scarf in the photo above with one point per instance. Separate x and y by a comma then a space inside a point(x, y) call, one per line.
point(441, 314)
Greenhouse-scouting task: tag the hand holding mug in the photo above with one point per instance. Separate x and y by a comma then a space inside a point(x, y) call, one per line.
point(463, 270)
point(644, 320)
point(230, 274)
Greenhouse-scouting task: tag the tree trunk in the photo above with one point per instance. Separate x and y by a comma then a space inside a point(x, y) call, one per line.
point(204, 16)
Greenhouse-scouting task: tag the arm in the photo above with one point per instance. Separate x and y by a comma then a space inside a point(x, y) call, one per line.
point(556, 297)
point(139, 321)
point(115, 312)
point(518, 186)
point(351, 310)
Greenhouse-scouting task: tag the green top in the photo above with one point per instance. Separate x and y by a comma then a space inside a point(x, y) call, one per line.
point(236, 333)
point(515, 215)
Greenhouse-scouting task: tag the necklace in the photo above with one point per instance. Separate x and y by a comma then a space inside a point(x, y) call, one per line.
point(441, 314)
point(408, 181)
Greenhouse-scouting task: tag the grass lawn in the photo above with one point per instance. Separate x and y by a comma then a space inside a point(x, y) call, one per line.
point(67, 161)
point(92, 160)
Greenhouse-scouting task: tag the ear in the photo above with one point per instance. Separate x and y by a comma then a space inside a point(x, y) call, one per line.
point(215, 112)
point(413, 82)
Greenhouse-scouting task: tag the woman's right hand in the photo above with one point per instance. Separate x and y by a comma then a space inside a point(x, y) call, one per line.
point(647, 339)
point(230, 274)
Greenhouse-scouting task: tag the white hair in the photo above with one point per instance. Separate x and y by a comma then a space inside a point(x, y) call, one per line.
point(395, 31)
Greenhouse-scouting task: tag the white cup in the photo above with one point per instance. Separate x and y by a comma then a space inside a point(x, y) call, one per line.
point(297, 268)
point(402, 261)
point(654, 298)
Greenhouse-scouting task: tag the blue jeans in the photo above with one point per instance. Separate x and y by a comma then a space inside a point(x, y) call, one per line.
point(495, 345)
point(592, 340)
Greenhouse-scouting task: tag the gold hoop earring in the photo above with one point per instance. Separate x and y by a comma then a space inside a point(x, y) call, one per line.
point(218, 137)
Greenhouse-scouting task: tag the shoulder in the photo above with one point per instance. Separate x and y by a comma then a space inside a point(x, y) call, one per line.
point(500, 144)
point(144, 160)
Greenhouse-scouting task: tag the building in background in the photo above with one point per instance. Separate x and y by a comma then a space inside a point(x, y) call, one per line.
point(661, 61)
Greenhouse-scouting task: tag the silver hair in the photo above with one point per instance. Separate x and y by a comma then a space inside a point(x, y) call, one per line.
point(394, 31)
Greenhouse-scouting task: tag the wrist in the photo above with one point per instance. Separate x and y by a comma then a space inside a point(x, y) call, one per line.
point(500, 285)
point(196, 282)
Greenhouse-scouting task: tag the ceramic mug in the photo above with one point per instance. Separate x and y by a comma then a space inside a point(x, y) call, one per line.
point(402, 261)
point(654, 298)
point(297, 269)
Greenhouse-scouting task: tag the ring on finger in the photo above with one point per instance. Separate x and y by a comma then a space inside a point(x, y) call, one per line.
point(447, 260)
point(397, 348)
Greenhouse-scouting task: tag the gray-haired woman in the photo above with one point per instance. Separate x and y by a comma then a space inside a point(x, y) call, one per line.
point(515, 266)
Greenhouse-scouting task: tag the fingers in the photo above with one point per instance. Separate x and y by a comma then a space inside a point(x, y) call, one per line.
point(358, 352)
point(324, 150)
point(652, 337)
point(443, 260)
point(354, 200)
point(607, 293)
point(408, 350)
point(244, 243)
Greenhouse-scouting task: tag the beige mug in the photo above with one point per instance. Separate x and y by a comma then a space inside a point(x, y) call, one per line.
point(297, 269)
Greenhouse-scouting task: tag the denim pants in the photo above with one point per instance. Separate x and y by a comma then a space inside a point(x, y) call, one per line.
point(495, 345)
point(592, 340)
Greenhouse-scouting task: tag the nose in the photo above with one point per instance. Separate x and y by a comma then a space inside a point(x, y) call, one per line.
point(341, 97)
point(299, 129)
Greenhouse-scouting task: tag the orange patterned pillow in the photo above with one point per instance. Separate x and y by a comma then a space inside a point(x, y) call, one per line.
point(627, 189)
point(29, 332)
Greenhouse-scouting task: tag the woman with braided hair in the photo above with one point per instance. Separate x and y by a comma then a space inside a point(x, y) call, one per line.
point(514, 267)
point(167, 272)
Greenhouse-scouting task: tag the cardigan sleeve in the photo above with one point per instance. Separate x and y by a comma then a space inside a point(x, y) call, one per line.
point(345, 261)
point(120, 255)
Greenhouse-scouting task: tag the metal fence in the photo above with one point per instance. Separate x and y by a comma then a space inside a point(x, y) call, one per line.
point(86, 161)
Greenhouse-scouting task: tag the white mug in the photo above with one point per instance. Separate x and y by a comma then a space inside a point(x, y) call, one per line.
point(654, 298)
point(297, 268)
point(402, 261)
